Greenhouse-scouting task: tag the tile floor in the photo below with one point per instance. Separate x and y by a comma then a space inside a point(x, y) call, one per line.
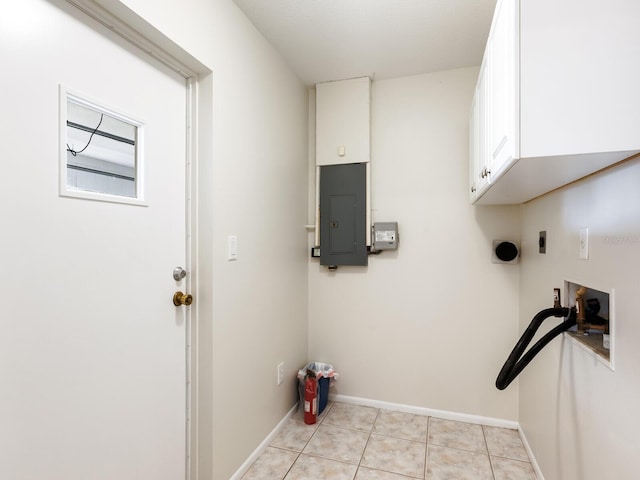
point(352, 442)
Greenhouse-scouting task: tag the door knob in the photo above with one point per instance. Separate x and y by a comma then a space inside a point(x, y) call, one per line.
point(180, 298)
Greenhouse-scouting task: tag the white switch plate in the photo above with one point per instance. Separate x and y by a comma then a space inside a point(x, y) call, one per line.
point(280, 378)
point(232, 247)
point(584, 243)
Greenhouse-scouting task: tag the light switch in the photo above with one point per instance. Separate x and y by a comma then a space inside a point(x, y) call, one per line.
point(232, 247)
point(584, 243)
point(341, 151)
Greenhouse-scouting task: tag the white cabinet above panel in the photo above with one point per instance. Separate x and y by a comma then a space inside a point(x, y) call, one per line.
point(343, 116)
point(562, 96)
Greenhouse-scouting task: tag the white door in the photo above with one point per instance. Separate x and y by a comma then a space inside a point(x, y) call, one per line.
point(92, 349)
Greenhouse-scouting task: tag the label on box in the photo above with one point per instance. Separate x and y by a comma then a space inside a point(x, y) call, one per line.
point(385, 235)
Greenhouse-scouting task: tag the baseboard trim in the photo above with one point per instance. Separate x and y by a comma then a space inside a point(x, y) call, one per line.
point(398, 407)
point(265, 443)
point(527, 447)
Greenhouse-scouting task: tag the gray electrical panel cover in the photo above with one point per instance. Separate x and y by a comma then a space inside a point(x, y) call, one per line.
point(343, 217)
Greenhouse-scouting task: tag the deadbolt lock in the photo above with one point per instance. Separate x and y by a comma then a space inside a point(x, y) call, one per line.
point(179, 273)
point(180, 298)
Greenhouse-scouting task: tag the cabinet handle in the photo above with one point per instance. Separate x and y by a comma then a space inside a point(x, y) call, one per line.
point(473, 189)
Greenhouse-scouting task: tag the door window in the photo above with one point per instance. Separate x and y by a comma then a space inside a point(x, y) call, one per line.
point(101, 152)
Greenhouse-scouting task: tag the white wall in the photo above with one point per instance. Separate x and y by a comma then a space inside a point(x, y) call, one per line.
point(580, 417)
point(432, 322)
point(255, 188)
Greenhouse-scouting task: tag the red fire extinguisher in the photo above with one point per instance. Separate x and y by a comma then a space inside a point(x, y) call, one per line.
point(310, 398)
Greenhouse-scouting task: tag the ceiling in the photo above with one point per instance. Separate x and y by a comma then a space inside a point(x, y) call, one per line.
point(324, 40)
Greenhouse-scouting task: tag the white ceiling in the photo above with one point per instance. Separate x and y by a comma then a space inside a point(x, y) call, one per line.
point(325, 40)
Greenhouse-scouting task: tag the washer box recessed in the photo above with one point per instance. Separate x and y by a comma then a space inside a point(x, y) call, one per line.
point(595, 329)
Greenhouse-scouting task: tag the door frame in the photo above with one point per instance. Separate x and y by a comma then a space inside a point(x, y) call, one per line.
point(198, 79)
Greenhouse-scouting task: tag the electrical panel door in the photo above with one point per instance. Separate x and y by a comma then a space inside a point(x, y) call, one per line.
point(343, 239)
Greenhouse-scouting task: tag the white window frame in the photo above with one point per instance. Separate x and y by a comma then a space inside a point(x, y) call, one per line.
point(66, 94)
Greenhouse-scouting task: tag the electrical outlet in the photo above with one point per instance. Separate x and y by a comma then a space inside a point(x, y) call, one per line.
point(280, 378)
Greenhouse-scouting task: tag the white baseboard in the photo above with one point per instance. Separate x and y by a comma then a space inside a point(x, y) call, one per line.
point(265, 443)
point(527, 447)
point(398, 407)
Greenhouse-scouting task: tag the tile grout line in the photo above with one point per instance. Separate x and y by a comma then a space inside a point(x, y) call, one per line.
point(307, 442)
point(426, 448)
point(486, 446)
point(367, 443)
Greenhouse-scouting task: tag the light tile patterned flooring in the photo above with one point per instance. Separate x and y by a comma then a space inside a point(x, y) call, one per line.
point(352, 442)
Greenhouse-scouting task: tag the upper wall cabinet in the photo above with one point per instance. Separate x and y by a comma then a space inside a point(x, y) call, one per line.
point(343, 121)
point(479, 164)
point(557, 97)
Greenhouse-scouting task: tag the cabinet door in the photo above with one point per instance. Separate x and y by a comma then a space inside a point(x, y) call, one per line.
point(474, 140)
point(482, 156)
point(502, 82)
point(343, 121)
point(478, 155)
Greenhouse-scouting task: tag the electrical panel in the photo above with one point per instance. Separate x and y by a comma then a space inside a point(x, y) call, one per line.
point(343, 222)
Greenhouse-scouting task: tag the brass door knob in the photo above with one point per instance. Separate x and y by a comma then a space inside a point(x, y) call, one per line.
point(180, 298)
